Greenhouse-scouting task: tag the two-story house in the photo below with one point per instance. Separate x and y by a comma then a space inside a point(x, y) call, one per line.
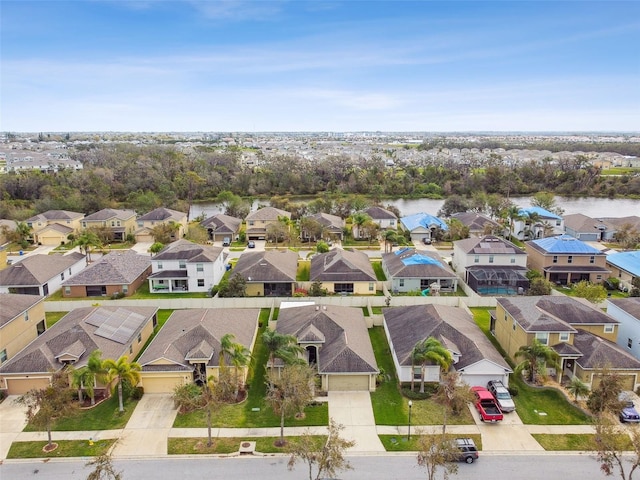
point(184, 266)
point(54, 226)
point(321, 226)
point(536, 222)
point(382, 217)
point(22, 319)
point(259, 220)
point(583, 336)
point(120, 223)
point(627, 312)
point(161, 216)
point(564, 260)
point(625, 266)
point(491, 265)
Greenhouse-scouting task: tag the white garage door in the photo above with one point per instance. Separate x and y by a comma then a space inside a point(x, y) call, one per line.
point(482, 380)
point(348, 382)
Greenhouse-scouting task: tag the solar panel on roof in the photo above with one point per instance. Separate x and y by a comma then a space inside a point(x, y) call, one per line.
point(120, 326)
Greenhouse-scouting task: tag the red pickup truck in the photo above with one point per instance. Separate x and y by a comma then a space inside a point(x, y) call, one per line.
point(486, 405)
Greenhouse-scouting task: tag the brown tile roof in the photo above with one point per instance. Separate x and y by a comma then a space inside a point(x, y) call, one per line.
point(13, 305)
point(196, 334)
point(342, 266)
point(38, 269)
point(116, 268)
point(275, 266)
point(346, 347)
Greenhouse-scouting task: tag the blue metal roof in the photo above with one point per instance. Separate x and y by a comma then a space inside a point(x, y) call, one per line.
point(565, 244)
point(628, 261)
point(417, 258)
point(540, 211)
point(422, 220)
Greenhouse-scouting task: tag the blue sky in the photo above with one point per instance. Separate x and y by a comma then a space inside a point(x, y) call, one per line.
point(192, 65)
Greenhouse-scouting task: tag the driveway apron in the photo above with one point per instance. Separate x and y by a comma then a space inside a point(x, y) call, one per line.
point(354, 411)
point(148, 428)
point(12, 422)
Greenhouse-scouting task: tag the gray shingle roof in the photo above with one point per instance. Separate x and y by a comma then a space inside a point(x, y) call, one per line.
point(116, 268)
point(196, 333)
point(78, 329)
point(269, 266)
point(161, 214)
point(109, 213)
point(12, 305)
point(342, 266)
point(630, 305)
point(379, 213)
point(328, 220)
point(38, 269)
point(488, 245)
point(346, 347)
point(268, 214)
point(407, 264)
point(222, 223)
point(53, 215)
point(475, 221)
point(452, 326)
point(600, 353)
point(189, 252)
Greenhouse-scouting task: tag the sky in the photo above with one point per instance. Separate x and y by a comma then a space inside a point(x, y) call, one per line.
point(340, 66)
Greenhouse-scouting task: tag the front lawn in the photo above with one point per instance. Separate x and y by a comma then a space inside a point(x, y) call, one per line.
point(389, 407)
point(104, 416)
point(226, 445)
point(66, 448)
point(567, 442)
point(399, 443)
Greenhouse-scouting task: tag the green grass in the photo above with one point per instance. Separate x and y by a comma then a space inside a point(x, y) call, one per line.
point(162, 316)
point(104, 416)
point(304, 271)
point(66, 448)
point(226, 445)
point(619, 171)
point(399, 443)
point(52, 317)
point(389, 407)
point(377, 268)
point(567, 441)
point(143, 293)
point(243, 415)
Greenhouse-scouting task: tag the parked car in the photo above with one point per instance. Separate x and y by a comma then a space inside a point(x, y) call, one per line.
point(251, 244)
point(468, 450)
point(628, 413)
point(486, 405)
point(502, 396)
point(226, 241)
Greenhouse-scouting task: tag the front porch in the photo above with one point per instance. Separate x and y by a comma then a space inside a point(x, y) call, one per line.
point(169, 282)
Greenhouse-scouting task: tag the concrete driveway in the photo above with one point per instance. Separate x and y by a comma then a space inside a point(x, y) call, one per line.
point(12, 422)
point(354, 411)
point(148, 428)
point(508, 435)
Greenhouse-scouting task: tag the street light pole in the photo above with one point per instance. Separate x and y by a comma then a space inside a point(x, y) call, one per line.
point(409, 430)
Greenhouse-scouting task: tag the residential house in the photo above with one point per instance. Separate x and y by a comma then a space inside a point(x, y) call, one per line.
point(626, 267)
point(588, 229)
point(6, 226)
point(54, 226)
point(161, 216)
point(336, 343)
point(564, 260)
point(184, 266)
point(118, 273)
point(187, 349)
point(222, 226)
point(332, 227)
point(536, 222)
point(479, 225)
point(271, 273)
point(120, 223)
point(259, 221)
point(583, 336)
point(39, 274)
point(344, 271)
point(411, 270)
point(22, 319)
point(474, 357)
point(382, 217)
point(626, 311)
point(115, 331)
point(491, 265)
point(422, 227)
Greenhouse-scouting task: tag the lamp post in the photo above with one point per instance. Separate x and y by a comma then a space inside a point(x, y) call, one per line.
point(409, 430)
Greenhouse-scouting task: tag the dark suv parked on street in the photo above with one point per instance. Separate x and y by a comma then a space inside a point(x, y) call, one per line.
point(468, 450)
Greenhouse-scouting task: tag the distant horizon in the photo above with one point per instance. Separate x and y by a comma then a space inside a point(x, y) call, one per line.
point(319, 66)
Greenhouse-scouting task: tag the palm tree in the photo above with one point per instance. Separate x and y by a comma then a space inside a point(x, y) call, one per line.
point(85, 378)
point(431, 351)
point(85, 241)
point(359, 220)
point(123, 370)
point(284, 347)
point(532, 355)
point(226, 343)
point(389, 236)
point(240, 357)
point(23, 234)
point(513, 214)
point(578, 388)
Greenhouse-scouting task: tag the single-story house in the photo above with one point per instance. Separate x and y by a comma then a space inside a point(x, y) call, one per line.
point(411, 270)
point(187, 349)
point(422, 226)
point(344, 271)
point(119, 272)
point(336, 342)
point(39, 274)
point(271, 273)
point(222, 226)
point(329, 227)
point(115, 331)
point(474, 357)
point(479, 224)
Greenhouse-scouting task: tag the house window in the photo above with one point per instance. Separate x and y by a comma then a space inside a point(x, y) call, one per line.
point(608, 328)
point(513, 259)
point(199, 267)
point(141, 224)
point(159, 265)
point(67, 290)
point(555, 259)
point(130, 349)
point(62, 276)
point(558, 222)
point(592, 259)
point(201, 282)
point(629, 343)
point(343, 287)
point(564, 337)
point(598, 277)
point(69, 271)
point(401, 282)
point(113, 224)
point(490, 258)
point(543, 337)
point(251, 222)
point(84, 224)
point(182, 264)
point(139, 337)
point(40, 327)
point(514, 324)
point(392, 222)
point(125, 289)
point(570, 259)
point(476, 259)
point(26, 316)
point(417, 373)
point(3, 355)
point(371, 286)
